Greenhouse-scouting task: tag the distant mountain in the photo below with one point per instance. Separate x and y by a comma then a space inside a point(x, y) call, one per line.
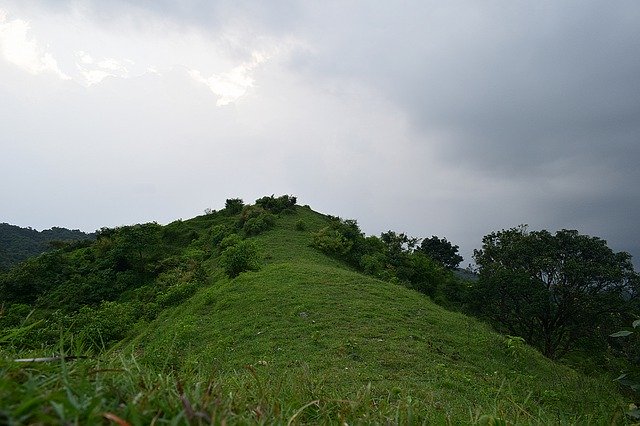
point(18, 244)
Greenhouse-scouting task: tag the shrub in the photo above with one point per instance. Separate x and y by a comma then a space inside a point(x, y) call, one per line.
point(218, 233)
point(331, 242)
point(240, 257)
point(255, 220)
point(108, 323)
point(176, 294)
point(229, 241)
point(233, 206)
point(284, 203)
point(301, 225)
point(257, 225)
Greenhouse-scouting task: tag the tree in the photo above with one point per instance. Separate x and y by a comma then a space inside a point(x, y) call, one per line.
point(442, 251)
point(552, 290)
point(233, 205)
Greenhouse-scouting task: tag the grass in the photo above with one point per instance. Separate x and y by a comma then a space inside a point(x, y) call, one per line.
point(304, 340)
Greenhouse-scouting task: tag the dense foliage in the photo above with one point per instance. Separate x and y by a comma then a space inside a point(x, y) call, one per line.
point(442, 251)
point(18, 244)
point(554, 289)
point(392, 257)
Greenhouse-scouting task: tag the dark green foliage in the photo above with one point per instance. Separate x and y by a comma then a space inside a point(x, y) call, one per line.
point(301, 225)
point(342, 240)
point(628, 343)
point(426, 275)
point(229, 241)
point(255, 220)
point(392, 256)
point(14, 315)
point(218, 233)
point(107, 323)
point(233, 206)
point(18, 244)
point(442, 251)
point(175, 294)
point(178, 234)
point(240, 257)
point(550, 289)
point(284, 203)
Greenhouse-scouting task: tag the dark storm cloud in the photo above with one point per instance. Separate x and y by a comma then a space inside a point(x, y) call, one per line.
point(530, 93)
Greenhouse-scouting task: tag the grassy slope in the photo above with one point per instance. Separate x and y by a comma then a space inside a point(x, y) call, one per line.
point(305, 329)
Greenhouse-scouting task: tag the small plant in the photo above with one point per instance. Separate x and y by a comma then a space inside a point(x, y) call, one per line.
point(515, 346)
point(628, 380)
point(301, 225)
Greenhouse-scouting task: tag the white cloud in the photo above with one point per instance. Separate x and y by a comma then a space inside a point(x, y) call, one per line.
point(24, 51)
point(93, 72)
point(232, 85)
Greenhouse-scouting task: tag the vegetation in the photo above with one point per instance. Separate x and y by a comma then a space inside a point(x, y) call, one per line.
point(554, 290)
point(18, 244)
point(442, 251)
point(306, 320)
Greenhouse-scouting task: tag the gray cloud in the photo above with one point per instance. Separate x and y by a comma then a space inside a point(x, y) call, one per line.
point(453, 118)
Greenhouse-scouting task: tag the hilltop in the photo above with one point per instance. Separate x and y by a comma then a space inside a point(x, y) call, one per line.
point(240, 315)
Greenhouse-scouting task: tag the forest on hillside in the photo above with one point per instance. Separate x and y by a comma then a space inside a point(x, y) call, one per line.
point(18, 244)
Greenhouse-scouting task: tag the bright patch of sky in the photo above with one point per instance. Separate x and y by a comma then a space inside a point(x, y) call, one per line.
point(215, 62)
point(21, 49)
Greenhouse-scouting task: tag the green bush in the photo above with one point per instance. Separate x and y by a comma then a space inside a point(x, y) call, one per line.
point(175, 294)
point(108, 323)
point(331, 242)
point(229, 241)
point(257, 225)
point(284, 203)
point(239, 258)
point(233, 206)
point(218, 233)
point(14, 315)
point(254, 220)
point(301, 225)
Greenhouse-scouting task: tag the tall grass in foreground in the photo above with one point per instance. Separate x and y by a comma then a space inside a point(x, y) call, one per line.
point(116, 389)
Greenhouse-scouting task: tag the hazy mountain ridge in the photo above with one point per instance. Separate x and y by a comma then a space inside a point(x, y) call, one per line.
point(18, 243)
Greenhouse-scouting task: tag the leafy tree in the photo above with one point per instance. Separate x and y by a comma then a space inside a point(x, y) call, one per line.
point(233, 205)
point(137, 247)
point(442, 251)
point(398, 254)
point(550, 289)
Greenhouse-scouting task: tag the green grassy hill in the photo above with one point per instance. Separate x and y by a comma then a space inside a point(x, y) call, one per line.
point(304, 339)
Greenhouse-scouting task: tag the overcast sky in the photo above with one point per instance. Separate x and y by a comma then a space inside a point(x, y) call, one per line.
point(449, 118)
